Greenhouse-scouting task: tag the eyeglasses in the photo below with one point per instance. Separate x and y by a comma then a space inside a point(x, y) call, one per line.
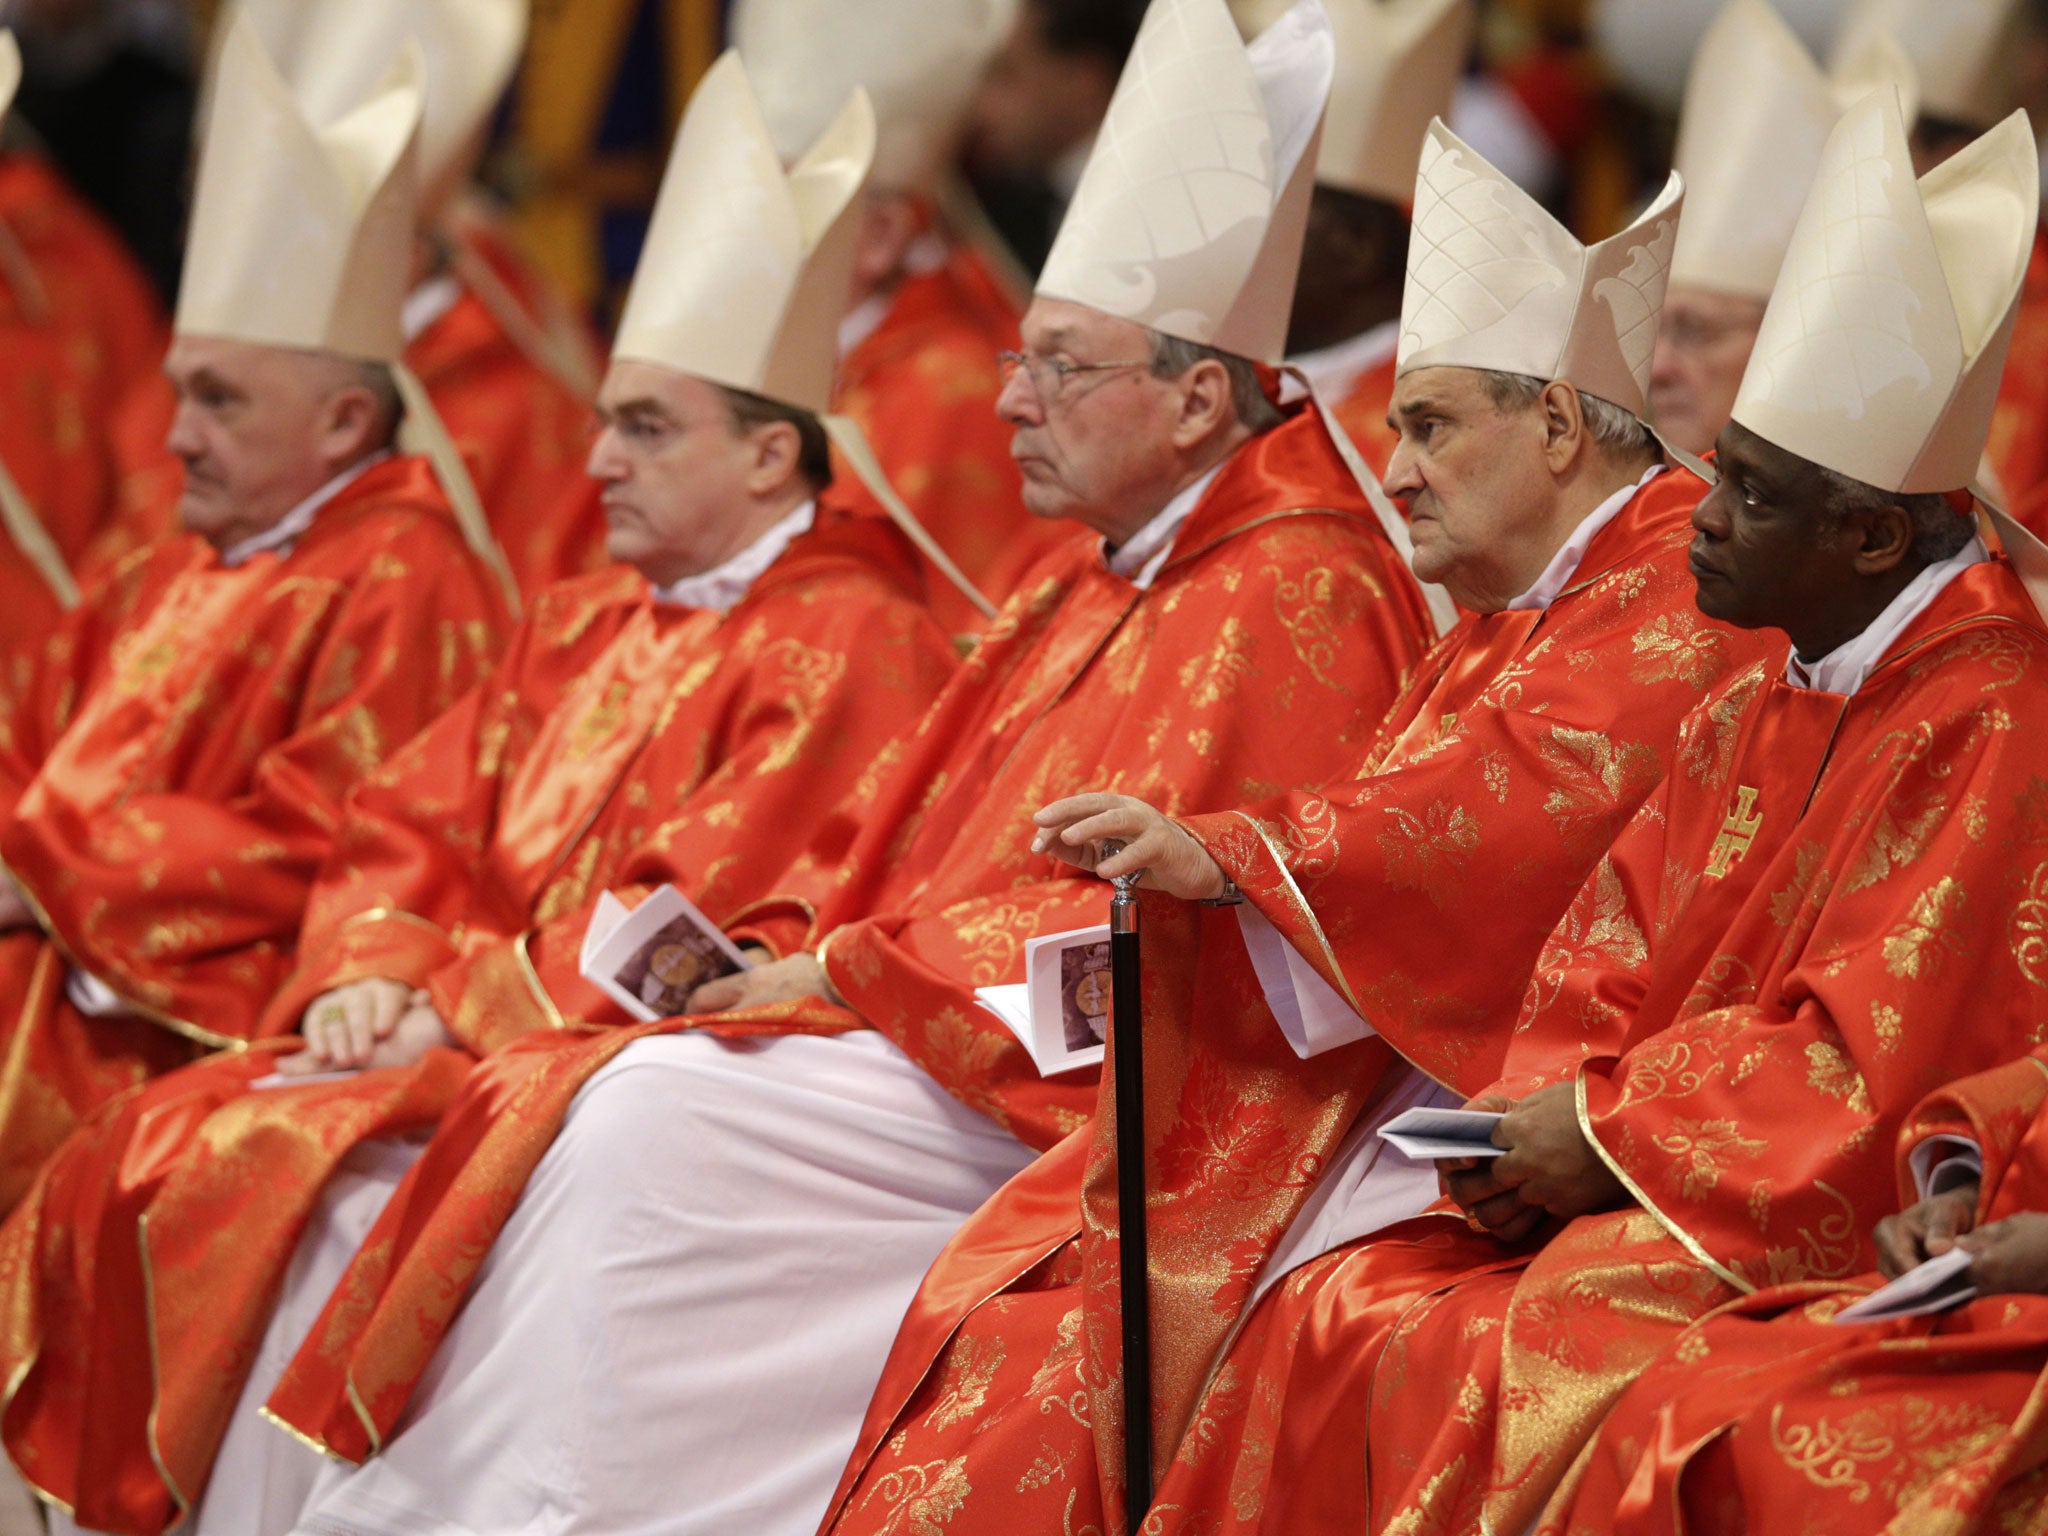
point(1051, 376)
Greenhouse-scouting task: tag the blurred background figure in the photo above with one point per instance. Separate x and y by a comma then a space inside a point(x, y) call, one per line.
point(1398, 65)
point(1038, 110)
point(111, 87)
point(79, 324)
point(1758, 111)
point(928, 314)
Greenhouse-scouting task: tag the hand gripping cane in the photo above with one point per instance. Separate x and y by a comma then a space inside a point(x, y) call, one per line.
point(1126, 1023)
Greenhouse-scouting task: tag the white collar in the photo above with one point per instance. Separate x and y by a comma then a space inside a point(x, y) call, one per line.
point(1844, 669)
point(1141, 557)
point(428, 303)
point(723, 586)
point(1333, 371)
point(1564, 565)
point(281, 535)
point(926, 255)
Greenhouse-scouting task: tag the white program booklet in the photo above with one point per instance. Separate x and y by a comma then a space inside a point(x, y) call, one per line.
point(650, 959)
point(1426, 1134)
point(1942, 1282)
point(1060, 1010)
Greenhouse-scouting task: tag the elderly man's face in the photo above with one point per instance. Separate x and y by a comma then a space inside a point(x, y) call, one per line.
point(1703, 345)
point(1478, 490)
point(1094, 428)
point(1763, 553)
point(258, 429)
point(678, 475)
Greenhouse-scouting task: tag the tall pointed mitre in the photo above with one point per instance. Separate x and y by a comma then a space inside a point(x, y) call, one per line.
point(1965, 52)
point(1758, 111)
point(1190, 215)
point(336, 52)
point(920, 62)
point(1881, 350)
point(1398, 63)
point(1495, 282)
point(302, 236)
point(747, 268)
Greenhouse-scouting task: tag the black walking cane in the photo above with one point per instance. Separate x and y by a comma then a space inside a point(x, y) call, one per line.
point(1133, 1289)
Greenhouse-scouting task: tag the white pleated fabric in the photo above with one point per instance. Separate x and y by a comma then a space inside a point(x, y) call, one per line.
point(679, 1330)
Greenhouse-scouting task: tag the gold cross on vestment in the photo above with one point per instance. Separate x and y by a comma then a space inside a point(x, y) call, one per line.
point(1737, 833)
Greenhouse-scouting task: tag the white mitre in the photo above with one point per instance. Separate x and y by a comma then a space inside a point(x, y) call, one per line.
point(1495, 282)
point(1398, 64)
point(1881, 350)
point(920, 61)
point(302, 236)
point(1190, 215)
point(747, 268)
point(1758, 111)
point(10, 71)
point(335, 53)
point(1966, 52)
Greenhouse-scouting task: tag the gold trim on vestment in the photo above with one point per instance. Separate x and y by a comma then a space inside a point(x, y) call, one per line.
point(156, 1375)
point(310, 1442)
point(1304, 913)
point(175, 1025)
point(1685, 1239)
point(549, 1011)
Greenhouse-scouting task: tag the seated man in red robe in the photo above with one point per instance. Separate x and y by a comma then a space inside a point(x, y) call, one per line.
point(1748, 995)
point(78, 327)
point(674, 720)
point(919, 342)
point(508, 373)
point(173, 773)
point(1779, 1412)
point(1521, 748)
point(1397, 67)
point(1231, 613)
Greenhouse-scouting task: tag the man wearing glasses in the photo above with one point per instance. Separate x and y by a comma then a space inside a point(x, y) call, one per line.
point(683, 1315)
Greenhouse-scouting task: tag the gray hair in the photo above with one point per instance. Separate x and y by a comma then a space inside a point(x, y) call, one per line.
point(1172, 357)
point(1938, 529)
point(1621, 433)
point(383, 389)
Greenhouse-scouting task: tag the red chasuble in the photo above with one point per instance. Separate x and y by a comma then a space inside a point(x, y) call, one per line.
point(78, 327)
point(1274, 636)
point(923, 387)
point(1751, 992)
point(174, 778)
point(620, 745)
point(2018, 447)
point(1524, 743)
point(1928, 1425)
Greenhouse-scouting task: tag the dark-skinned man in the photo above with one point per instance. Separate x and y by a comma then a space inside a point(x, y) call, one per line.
point(1397, 66)
point(1232, 610)
point(1773, 963)
point(1528, 739)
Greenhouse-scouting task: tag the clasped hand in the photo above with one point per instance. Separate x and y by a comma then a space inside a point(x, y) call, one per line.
point(2008, 1257)
point(1075, 829)
point(1549, 1171)
point(374, 1022)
